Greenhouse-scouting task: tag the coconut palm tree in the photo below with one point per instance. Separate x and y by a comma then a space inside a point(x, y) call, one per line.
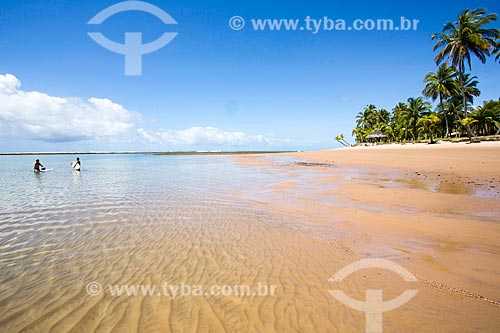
point(470, 88)
point(455, 110)
point(466, 37)
point(428, 125)
point(399, 111)
point(497, 50)
point(441, 84)
point(341, 139)
point(368, 117)
point(383, 117)
point(399, 122)
point(360, 134)
point(468, 122)
point(417, 107)
point(487, 118)
point(387, 130)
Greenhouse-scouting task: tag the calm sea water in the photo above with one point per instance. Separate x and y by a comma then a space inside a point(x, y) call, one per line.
point(141, 219)
point(112, 178)
point(110, 189)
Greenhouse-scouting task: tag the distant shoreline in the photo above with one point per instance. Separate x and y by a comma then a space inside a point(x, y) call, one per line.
point(147, 153)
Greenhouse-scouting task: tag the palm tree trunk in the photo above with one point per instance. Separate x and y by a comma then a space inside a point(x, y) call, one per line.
point(464, 98)
point(445, 115)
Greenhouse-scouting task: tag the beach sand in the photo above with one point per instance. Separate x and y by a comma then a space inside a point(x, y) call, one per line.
point(455, 159)
point(435, 210)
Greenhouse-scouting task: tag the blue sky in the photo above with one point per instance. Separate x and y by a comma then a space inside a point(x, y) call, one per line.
point(211, 87)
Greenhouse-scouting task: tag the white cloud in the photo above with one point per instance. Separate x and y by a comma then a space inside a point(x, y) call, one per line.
point(201, 136)
point(146, 136)
point(36, 115)
point(9, 84)
point(39, 116)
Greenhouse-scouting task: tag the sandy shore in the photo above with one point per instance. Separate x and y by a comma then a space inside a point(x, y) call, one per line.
point(433, 209)
point(456, 159)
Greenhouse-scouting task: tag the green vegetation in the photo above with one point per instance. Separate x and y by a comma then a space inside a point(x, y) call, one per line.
point(454, 89)
point(341, 139)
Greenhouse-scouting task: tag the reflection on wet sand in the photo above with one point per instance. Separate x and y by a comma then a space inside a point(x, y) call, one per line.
point(443, 186)
point(446, 235)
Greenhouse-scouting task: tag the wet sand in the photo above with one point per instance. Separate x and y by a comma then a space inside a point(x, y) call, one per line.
point(479, 160)
point(433, 209)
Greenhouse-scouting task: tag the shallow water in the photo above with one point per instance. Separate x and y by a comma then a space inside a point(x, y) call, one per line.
point(101, 251)
point(151, 220)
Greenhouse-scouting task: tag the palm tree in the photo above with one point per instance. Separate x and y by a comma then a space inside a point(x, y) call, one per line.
point(463, 38)
point(441, 84)
point(428, 124)
point(360, 134)
point(386, 129)
point(497, 50)
point(468, 122)
point(383, 117)
point(487, 117)
point(399, 122)
point(417, 107)
point(367, 118)
point(470, 88)
point(341, 139)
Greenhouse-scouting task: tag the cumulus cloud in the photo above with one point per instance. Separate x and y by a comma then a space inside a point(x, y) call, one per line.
point(36, 115)
point(39, 116)
point(200, 136)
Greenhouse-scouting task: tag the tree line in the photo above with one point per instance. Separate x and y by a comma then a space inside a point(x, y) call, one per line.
point(451, 85)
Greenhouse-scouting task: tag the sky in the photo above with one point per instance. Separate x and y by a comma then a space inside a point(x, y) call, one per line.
point(212, 87)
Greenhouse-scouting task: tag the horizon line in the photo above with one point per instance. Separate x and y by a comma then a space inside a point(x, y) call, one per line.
point(204, 152)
